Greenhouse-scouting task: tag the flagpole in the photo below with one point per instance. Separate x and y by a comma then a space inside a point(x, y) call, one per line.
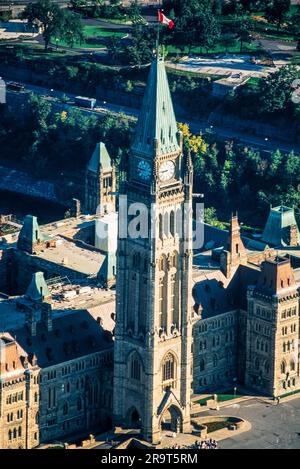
point(157, 39)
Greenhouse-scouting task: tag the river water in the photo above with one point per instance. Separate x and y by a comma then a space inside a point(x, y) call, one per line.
point(21, 205)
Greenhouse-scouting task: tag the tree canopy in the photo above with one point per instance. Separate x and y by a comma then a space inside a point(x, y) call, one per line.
point(54, 21)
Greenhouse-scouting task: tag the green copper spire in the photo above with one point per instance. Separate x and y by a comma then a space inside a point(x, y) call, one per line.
point(38, 289)
point(30, 235)
point(100, 159)
point(156, 121)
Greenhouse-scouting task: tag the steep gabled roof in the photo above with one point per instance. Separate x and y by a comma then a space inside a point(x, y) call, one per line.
point(157, 120)
point(30, 230)
point(280, 220)
point(38, 289)
point(100, 159)
point(72, 336)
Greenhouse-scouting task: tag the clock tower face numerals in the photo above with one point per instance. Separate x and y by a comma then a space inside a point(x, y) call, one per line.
point(144, 170)
point(166, 171)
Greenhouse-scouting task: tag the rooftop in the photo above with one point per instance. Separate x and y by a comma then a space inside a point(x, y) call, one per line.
point(74, 257)
point(100, 159)
point(156, 128)
point(65, 300)
point(72, 336)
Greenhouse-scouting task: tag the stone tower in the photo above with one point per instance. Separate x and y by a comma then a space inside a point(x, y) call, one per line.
point(152, 362)
point(30, 238)
point(100, 182)
point(273, 330)
point(38, 306)
point(235, 252)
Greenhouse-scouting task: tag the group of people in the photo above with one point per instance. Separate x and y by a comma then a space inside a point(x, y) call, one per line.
point(205, 444)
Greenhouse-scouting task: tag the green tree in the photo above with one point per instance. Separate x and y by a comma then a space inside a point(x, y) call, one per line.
point(114, 48)
point(276, 11)
point(46, 15)
point(275, 162)
point(292, 168)
point(244, 33)
point(140, 51)
point(228, 40)
point(274, 92)
point(210, 217)
point(207, 30)
point(54, 21)
point(134, 12)
point(76, 5)
point(39, 112)
point(70, 28)
point(294, 25)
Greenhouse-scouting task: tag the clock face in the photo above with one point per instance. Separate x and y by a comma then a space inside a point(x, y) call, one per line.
point(166, 170)
point(144, 170)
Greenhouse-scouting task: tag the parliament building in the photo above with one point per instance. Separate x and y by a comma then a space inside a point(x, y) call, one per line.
point(123, 335)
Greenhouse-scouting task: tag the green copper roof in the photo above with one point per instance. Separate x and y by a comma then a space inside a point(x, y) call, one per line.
point(100, 159)
point(157, 119)
point(276, 230)
point(38, 289)
point(30, 230)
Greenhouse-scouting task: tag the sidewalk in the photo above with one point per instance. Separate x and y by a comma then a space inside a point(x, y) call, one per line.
point(184, 439)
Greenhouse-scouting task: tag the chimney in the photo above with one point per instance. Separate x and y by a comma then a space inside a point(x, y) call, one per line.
point(235, 252)
point(293, 235)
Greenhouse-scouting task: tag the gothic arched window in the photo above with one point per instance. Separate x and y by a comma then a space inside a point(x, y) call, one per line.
point(267, 367)
point(135, 368)
point(65, 408)
point(172, 223)
point(162, 263)
point(292, 365)
point(202, 365)
point(161, 227)
point(169, 366)
point(215, 360)
point(283, 367)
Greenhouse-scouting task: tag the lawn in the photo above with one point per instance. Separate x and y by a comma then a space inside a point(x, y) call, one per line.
point(214, 426)
point(290, 393)
point(95, 37)
point(222, 397)
point(218, 49)
point(228, 397)
point(115, 21)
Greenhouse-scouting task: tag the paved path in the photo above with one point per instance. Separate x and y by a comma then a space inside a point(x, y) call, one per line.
point(273, 426)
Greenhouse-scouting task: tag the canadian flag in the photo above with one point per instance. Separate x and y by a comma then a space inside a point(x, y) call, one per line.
point(164, 20)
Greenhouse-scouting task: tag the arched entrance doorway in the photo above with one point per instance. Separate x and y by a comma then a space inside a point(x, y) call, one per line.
point(171, 420)
point(134, 419)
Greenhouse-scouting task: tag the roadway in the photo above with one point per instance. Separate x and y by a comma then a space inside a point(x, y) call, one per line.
point(103, 108)
point(273, 426)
